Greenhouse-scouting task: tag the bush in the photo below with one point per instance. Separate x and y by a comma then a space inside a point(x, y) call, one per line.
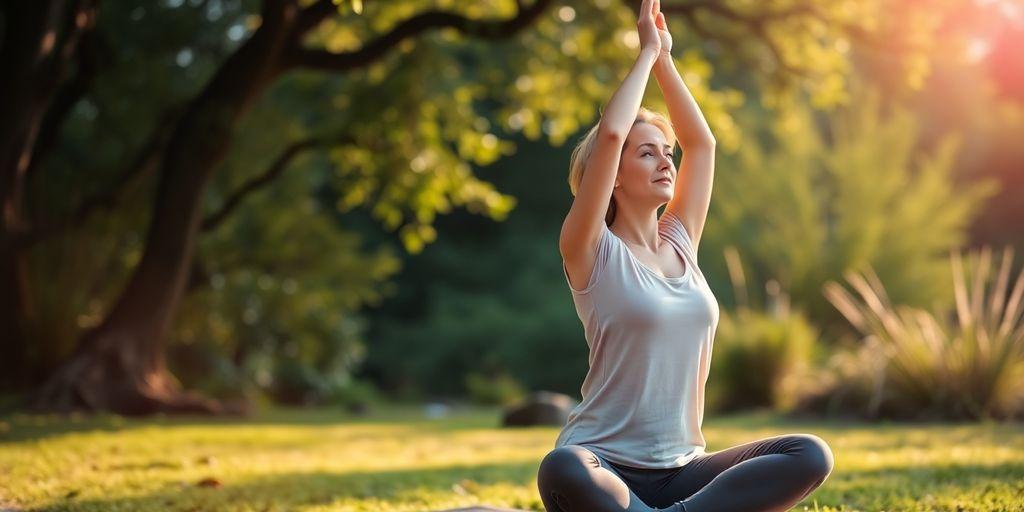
point(916, 364)
point(355, 395)
point(500, 389)
point(758, 358)
point(295, 383)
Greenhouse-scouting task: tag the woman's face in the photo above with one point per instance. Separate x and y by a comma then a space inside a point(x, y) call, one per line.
point(647, 173)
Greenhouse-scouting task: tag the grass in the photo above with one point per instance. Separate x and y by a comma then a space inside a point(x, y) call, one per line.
point(396, 459)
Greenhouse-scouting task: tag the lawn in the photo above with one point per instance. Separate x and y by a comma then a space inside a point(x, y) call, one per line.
point(398, 459)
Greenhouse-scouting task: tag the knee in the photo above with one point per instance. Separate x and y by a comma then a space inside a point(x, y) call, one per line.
point(816, 455)
point(564, 464)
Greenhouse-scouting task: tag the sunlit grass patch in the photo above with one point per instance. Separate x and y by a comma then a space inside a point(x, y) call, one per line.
point(397, 459)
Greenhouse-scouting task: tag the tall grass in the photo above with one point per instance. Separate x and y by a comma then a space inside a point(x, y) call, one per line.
point(962, 364)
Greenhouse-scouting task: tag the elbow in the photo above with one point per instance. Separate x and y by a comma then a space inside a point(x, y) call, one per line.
point(611, 135)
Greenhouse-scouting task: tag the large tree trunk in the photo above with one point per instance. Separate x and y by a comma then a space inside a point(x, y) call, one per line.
point(40, 41)
point(119, 365)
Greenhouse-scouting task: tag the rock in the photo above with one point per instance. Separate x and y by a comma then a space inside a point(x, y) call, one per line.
point(435, 410)
point(540, 408)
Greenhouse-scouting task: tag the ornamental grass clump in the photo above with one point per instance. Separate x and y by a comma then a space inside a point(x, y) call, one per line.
point(967, 363)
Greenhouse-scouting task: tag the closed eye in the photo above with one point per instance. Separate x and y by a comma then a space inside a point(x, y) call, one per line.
point(649, 153)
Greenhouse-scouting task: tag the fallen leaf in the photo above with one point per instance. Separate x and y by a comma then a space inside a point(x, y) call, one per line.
point(210, 482)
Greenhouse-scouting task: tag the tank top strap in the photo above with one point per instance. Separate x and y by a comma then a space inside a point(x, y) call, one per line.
point(674, 231)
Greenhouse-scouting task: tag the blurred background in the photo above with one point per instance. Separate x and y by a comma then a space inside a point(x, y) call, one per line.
point(222, 205)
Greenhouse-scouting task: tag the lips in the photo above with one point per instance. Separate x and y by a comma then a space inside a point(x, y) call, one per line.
point(667, 181)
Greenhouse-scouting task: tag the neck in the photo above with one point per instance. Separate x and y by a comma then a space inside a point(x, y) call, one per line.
point(636, 225)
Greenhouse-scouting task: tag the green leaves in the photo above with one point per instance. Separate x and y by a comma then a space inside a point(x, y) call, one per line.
point(804, 208)
point(355, 5)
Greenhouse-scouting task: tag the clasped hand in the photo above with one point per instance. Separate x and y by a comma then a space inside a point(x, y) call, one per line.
point(653, 29)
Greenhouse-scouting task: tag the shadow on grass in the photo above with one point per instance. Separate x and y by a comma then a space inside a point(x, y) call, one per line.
point(25, 427)
point(415, 487)
point(293, 490)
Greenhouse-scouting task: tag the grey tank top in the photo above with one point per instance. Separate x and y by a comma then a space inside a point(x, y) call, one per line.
point(650, 340)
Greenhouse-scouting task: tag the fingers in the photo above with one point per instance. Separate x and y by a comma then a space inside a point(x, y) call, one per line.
point(650, 8)
point(661, 21)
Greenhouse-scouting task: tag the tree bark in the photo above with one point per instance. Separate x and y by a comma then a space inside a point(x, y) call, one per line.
point(34, 58)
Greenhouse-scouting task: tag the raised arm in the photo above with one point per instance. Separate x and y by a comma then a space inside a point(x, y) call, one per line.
point(582, 226)
point(692, 195)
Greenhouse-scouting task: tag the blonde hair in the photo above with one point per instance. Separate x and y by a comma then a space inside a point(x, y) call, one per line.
point(585, 148)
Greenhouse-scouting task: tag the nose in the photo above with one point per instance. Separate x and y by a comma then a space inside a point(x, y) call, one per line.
point(666, 159)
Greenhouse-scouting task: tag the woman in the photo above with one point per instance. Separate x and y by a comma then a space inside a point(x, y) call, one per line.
point(634, 443)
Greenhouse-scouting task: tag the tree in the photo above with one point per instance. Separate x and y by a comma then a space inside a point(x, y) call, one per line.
point(119, 364)
point(35, 98)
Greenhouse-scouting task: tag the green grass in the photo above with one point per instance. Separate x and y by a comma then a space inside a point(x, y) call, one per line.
point(396, 459)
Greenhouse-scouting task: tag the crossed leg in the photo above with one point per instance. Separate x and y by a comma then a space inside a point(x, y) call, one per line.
point(572, 479)
point(767, 475)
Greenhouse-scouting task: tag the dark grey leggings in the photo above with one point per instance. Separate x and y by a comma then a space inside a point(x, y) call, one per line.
point(770, 474)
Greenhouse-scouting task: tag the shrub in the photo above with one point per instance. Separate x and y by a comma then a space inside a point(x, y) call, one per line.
point(758, 358)
point(500, 389)
point(295, 383)
point(355, 395)
point(963, 364)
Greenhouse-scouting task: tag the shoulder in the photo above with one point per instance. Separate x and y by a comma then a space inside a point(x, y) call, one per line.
point(672, 227)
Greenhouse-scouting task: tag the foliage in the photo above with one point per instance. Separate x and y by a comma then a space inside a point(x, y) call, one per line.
point(818, 203)
point(355, 395)
point(298, 384)
point(280, 296)
point(964, 364)
point(501, 389)
point(406, 133)
point(409, 128)
point(756, 357)
point(760, 353)
point(489, 310)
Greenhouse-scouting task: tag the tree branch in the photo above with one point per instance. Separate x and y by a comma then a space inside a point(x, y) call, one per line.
point(733, 44)
point(144, 163)
point(858, 33)
point(67, 97)
point(311, 17)
point(757, 22)
point(297, 56)
point(264, 178)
